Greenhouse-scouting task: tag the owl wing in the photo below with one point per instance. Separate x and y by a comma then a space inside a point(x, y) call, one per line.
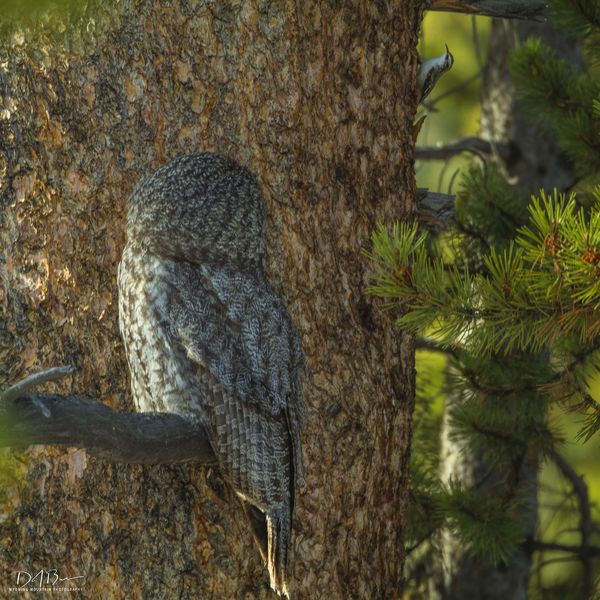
point(250, 344)
point(238, 334)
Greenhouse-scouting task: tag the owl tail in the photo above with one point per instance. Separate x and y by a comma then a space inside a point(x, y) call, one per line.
point(272, 532)
point(279, 529)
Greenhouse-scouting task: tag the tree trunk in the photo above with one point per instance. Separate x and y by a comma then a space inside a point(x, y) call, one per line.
point(318, 100)
point(531, 159)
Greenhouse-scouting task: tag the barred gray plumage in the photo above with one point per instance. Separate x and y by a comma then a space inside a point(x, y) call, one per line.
point(207, 338)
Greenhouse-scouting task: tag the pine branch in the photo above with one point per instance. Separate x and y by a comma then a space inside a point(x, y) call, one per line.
point(426, 537)
point(561, 98)
point(473, 382)
point(473, 233)
point(534, 292)
point(534, 10)
point(486, 523)
point(581, 18)
point(578, 359)
point(488, 205)
point(141, 438)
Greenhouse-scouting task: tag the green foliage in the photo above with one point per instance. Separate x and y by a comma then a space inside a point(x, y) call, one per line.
point(12, 471)
point(542, 290)
point(487, 524)
point(495, 414)
point(31, 17)
point(561, 98)
point(581, 18)
point(564, 248)
point(497, 411)
point(425, 509)
point(488, 209)
point(12, 467)
point(511, 297)
point(543, 286)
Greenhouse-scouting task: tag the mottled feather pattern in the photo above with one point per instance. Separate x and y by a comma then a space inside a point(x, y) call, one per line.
point(207, 337)
point(200, 208)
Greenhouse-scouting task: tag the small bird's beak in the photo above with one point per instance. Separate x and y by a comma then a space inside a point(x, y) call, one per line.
point(447, 51)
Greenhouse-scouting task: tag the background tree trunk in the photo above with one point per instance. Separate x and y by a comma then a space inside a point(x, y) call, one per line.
point(531, 159)
point(317, 99)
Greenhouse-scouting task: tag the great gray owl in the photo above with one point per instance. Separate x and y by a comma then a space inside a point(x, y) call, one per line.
point(207, 338)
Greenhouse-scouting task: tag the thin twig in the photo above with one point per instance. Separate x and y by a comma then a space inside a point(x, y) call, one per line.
point(433, 346)
point(430, 105)
point(25, 385)
point(578, 359)
point(474, 145)
point(593, 551)
point(558, 559)
point(410, 549)
point(585, 523)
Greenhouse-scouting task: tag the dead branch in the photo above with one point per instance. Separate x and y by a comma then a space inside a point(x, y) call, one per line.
point(124, 437)
point(470, 144)
point(435, 209)
point(71, 421)
point(533, 10)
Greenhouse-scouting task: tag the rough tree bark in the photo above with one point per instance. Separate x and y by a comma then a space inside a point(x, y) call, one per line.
point(318, 99)
point(531, 159)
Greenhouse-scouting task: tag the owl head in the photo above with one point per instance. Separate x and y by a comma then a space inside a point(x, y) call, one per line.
point(200, 208)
